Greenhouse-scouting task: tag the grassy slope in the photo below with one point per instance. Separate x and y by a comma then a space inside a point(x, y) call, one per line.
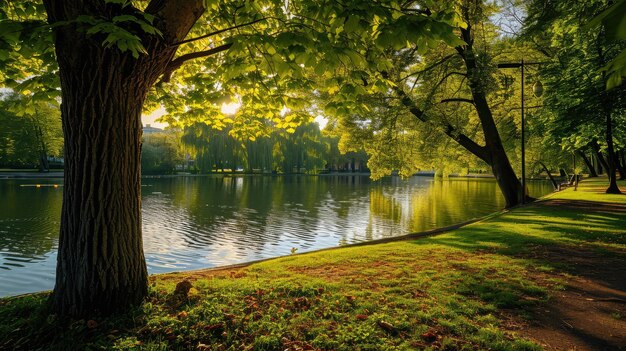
point(466, 289)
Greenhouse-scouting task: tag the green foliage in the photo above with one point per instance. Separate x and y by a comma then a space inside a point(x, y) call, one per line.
point(161, 153)
point(273, 51)
point(27, 135)
point(368, 114)
point(575, 103)
point(613, 20)
point(302, 149)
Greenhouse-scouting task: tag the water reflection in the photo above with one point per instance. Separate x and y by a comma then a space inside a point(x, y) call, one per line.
point(200, 222)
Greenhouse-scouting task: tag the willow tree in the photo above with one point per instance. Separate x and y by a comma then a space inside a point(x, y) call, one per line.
point(105, 58)
point(28, 136)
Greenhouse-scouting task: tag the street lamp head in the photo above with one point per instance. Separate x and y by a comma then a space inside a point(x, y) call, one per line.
point(538, 89)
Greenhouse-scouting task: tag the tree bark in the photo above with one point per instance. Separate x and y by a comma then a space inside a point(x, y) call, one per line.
point(621, 166)
point(592, 171)
point(100, 265)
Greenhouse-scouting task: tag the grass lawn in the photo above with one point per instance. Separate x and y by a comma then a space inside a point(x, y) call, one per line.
point(483, 286)
point(18, 170)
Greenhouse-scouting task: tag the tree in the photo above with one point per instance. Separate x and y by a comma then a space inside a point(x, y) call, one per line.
point(304, 150)
point(425, 91)
point(612, 20)
point(301, 151)
point(160, 153)
point(29, 136)
point(107, 56)
point(584, 112)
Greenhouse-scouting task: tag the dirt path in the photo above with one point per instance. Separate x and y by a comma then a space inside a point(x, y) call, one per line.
point(590, 314)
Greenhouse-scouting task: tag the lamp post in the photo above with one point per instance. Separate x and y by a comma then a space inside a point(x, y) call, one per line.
point(538, 91)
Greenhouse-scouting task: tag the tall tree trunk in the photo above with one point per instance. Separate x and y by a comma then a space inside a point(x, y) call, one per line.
point(599, 156)
point(613, 188)
point(619, 163)
point(100, 265)
point(492, 152)
point(623, 164)
point(592, 171)
point(100, 261)
point(607, 101)
point(496, 156)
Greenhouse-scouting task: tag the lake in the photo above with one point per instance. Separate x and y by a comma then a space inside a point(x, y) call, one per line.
point(197, 222)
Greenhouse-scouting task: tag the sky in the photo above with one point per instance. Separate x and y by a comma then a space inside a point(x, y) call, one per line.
point(151, 119)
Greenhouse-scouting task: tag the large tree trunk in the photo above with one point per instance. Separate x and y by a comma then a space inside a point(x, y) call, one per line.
point(492, 152)
point(613, 188)
point(508, 182)
point(592, 171)
point(100, 263)
point(101, 266)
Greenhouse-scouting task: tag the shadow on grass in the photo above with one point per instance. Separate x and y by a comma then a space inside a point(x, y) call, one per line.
point(541, 224)
point(557, 234)
point(579, 238)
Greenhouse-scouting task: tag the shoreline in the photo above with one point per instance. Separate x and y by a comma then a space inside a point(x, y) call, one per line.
point(404, 237)
point(429, 174)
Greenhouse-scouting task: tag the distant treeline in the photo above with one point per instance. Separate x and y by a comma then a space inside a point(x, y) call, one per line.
point(30, 140)
point(203, 149)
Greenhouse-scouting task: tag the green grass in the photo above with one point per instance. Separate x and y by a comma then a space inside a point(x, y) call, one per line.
point(458, 291)
point(18, 170)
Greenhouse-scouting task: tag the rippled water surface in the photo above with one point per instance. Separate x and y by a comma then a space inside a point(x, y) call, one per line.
point(195, 222)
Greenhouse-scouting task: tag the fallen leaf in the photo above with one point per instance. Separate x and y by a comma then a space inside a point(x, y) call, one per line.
point(386, 326)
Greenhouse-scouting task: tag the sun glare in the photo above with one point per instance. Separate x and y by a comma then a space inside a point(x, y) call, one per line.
point(230, 108)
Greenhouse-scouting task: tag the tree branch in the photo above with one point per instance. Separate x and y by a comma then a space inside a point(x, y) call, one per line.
point(219, 31)
point(431, 67)
point(462, 139)
point(469, 101)
point(177, 62)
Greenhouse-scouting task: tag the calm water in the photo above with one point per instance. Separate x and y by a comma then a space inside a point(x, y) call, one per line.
point(197, 222)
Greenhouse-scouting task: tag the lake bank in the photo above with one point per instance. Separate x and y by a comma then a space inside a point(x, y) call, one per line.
point(34, 174)
point(521, 280)
point(198, 222)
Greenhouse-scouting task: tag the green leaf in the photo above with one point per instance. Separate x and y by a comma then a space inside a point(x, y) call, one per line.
point(352, 24)
point(123, 3)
